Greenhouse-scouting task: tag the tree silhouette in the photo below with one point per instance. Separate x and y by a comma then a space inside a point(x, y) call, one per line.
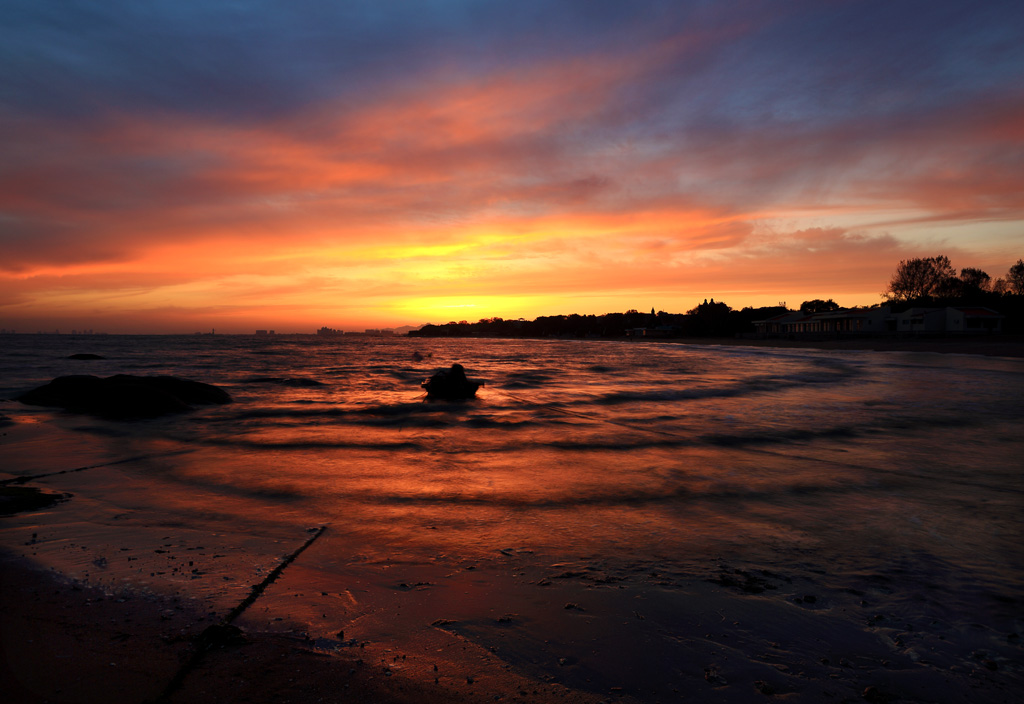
point(818, 306)
point(710, 310)
point(923, 278)
point(973, 281)
point(1015, 277)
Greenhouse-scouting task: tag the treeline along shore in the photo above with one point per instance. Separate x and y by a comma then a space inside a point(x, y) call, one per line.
point(713, 319)
point(925, 300)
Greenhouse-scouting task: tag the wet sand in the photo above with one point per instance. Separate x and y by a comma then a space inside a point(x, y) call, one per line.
point(578, 636)
point(65, 642)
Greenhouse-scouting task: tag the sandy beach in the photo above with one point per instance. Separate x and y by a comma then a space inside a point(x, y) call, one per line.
point(64, 642)
point(736, 636)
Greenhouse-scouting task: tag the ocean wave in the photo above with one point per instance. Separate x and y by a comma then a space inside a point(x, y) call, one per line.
point(493, 422)
point(526, 380)
point(418, 414)
point(624, 444)
point(648, 437)
point(283, 381)
point(747, 387)
point(780, 435)
point(309, 444)
point(411, 408)
point(610, 497)
point(279, 412)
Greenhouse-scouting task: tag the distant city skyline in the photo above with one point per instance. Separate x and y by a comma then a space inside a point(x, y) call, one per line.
point(169, 168)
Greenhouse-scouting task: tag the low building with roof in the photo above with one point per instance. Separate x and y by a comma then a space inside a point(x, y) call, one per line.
point(957, 320)
point(833, 323)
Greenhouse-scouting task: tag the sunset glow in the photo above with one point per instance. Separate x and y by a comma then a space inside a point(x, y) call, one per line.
point(178, 167)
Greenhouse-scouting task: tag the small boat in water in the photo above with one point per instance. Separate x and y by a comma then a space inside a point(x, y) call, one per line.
point(450, 384)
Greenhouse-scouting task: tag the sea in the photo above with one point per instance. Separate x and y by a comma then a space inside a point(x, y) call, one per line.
point(886, 476)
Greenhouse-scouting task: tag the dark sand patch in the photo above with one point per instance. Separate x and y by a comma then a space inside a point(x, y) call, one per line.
point(62, 641)
point(15, 499)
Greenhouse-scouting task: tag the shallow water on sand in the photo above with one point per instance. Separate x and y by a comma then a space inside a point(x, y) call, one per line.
point(864, 472)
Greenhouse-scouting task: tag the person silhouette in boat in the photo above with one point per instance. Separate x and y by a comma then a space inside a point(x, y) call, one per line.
point(450, 384)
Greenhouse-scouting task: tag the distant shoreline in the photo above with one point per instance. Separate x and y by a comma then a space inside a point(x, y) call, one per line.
point(994, 346)
point(990, 346)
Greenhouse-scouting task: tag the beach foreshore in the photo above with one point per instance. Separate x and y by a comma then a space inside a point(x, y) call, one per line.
point(131, 589)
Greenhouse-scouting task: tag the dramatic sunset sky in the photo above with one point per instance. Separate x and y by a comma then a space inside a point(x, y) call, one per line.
point(174, 166)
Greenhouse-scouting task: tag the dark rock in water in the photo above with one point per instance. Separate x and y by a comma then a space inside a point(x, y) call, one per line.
point(184, 389)
point(85, 355)
point(14, 499)
point(450, 384)
point(124, 396)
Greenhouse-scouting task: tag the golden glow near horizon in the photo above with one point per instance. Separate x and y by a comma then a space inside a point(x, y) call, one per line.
point(583, 172)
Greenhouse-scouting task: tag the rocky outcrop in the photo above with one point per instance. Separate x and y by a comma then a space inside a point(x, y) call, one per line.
point(125, 396)
point(85, 355)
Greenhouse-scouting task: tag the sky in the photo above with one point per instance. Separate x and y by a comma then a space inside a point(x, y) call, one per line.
point(176, 166)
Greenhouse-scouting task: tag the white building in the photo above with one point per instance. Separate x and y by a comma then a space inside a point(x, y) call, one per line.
point(954, 319)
